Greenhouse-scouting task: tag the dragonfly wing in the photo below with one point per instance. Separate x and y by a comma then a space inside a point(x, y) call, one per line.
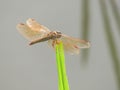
point(73, 45)
point(35, 26)
point(28, 33)
point(67, 48)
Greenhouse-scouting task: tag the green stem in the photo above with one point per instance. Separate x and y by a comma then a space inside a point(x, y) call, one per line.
point(60, 59)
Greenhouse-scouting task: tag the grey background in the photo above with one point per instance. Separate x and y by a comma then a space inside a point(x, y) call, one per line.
point(24, 67)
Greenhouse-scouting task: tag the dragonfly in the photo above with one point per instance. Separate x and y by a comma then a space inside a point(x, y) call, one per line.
point(36, 33)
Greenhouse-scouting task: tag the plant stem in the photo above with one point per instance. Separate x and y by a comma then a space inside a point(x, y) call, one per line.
point(60, 59)
point(111, 41)
point(85, 26)
point(115, 13)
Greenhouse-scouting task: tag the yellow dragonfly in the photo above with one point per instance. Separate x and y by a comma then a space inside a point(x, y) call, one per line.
point(36, 33)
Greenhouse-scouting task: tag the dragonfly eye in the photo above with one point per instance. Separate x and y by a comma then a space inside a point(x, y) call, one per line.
point(58, 32)
point(55, 34)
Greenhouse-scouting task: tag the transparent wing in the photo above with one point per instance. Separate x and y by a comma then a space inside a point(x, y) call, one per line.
point(32, 30)
point(28, 33)
point(73, 45)
point(35, 26)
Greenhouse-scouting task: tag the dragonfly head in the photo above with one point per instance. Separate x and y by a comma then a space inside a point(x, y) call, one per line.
point(58, 32)
point(55, 34)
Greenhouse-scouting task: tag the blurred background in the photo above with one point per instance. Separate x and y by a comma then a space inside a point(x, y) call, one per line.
point(24, 67)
